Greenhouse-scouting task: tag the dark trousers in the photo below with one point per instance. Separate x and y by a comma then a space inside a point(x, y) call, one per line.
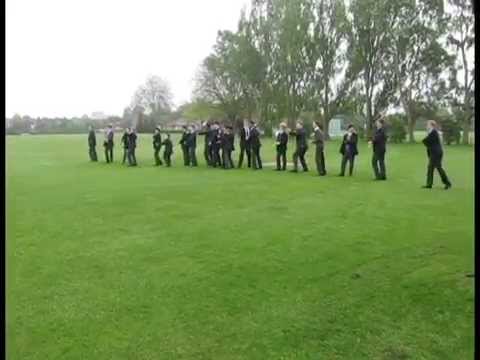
point(186, 160)
point(166, 158)
point(347, 157)
point(192, 156)
point(256, 159)
point(132, 160)
point(281, 157)
point(227, 159)
point(245, 149)
point(109, 153)
point(378, 164)
point(125, 154)
point(435, 162)
point(92, 153)
point(320, 161)
point(157, 156)
point(207, 152)
point(300, 154)
point(216, 160)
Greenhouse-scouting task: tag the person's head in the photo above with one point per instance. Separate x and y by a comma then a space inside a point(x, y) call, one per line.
point(351, 128)
point(110, 126)
point(380, 123)
point(127, 130)
point(90, 127)
point(252, 123)
point(168, 135)
point(317, 123)
point(283, 126)
point(157, 130)
point(431, 124)
point(299, 124)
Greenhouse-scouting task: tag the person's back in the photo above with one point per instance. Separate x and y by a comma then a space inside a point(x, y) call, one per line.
point(379, 140)
point(282, 140)
point(191, 139)
point(168, 150)
point(92, 140)
point(301, 138)
point(433, 143)
point(255, 137)
point(157, 140)
point(168, 146)
point(132, 140)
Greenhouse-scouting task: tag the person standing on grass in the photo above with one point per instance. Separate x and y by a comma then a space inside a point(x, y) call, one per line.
point(379, 142)
point(167, 150)
point(125, 144)
point(228, 145)
point(216, 146)
point(157, 144)
point(281, 142)
point(348, 149)
point(319, 141)
point(245, 146)
point(301, 147)
point(191, 142)
point(132, 144)
point(207, 131)
point(255, 145)
point(108, 144)
point(435, 154)
point(183, 144)
point(92, 143)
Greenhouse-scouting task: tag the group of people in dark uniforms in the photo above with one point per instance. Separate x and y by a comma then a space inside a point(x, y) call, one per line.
point(220, 143)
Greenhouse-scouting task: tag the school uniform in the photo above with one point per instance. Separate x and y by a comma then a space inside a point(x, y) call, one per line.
point(435, 155)
point(349, 150)
point(281, 146)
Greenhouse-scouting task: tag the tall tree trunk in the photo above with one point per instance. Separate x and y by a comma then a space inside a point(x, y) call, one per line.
point(466, 129)
point(326, 112)
point(411, 121)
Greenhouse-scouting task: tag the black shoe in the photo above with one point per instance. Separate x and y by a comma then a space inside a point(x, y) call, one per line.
point(426, 187)
point(277, 169)
point(448, 186)
point(305, 170)
point(294, 171)
point(341, 175)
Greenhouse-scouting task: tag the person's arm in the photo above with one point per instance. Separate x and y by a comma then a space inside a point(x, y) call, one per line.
point(428, 140)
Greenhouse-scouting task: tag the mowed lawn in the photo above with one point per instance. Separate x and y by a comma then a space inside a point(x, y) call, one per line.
point(110, 262)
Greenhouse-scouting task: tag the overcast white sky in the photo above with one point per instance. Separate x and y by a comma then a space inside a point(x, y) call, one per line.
point(73, 57)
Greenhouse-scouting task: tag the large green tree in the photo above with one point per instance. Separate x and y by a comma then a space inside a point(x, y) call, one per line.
point(461, 39)
point(419, 59)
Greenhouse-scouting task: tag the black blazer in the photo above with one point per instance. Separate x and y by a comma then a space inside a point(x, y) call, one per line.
point(379, 141)
point(167, 146)
point(191, 140)
point(92, 141)
point(157, 141)
point(352, 144)
point(282, 138)
point(132, 141)
point(125, 140)
point(255, 138)
point(318, 140)
point(433, 144)
point(301, 138)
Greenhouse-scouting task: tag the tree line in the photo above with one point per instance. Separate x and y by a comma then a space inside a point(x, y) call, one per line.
point(316, 59)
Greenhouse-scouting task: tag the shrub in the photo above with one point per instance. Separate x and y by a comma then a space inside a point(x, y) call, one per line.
point(396, 126)
point(451, 131)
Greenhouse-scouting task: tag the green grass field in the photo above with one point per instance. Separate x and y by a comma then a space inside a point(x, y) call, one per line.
point(110, 262)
